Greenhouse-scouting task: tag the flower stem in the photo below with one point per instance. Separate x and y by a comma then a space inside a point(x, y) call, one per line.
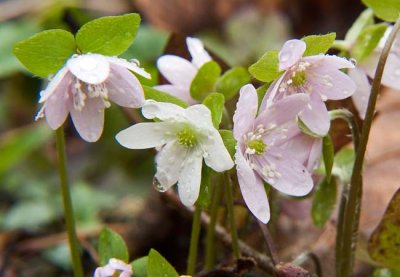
point(231, 215)
point(351, 216)
point(349, 117)
point(68, 209)
point(210, 238)
point(194, 241)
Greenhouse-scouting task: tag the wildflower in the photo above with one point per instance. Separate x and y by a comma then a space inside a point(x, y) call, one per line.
point(317, 76)
point(114, 268)
point(183, 138)
point(180, 72)
point(84, 86)
point(259, 155)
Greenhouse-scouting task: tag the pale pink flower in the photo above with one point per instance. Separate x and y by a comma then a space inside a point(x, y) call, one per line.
point(318, 76)
point(180, 72)
point(259, 152)
point(83, 88)
point(114, 268)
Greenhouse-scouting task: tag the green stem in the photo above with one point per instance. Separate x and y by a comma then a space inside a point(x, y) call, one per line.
point(68, 209)
point(210, 238)
point(351, 217)
point(194, 241)
point(231, 215)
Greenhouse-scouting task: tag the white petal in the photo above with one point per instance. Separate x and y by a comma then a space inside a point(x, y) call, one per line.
point(197, 51)
point(252, 189)
point(177, 70)
point(169, 164)
point(129, 65)
point(291, 53)
point(56, 108)
point(89, 68)
point(190, 178)
point(178, 91)
point(361, 95)
point(146, 135)
point(316, 116)
point(54, 84)
point(163, 111)
point(246, 111)
point(215, 153)
point(200, 116)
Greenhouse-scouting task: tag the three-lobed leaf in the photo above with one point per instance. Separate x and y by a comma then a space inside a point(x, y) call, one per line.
point(324, 200)
point(215, 102)
point(231, 81)
point(205, 80)
point(110, 35)
point(368, 40)
point(158, 266)
point(111, 245)
point(387, 10)
point(46, 52)
point(160, 96)
point(266, 69)
point(318, 44)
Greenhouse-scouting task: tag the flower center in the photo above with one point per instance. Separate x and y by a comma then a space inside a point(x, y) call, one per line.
point(257, 146)
point(299, 78)
point(187, 137)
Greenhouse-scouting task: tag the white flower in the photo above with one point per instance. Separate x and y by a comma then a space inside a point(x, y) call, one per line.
point(184, 137)
point(114, 267)
point(180, 72)
point(83, 87)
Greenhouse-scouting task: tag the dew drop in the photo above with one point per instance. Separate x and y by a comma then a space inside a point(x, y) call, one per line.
point(157, 185)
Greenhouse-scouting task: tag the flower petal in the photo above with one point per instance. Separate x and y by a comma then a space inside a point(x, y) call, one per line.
point(197, 51)
point(246, 111)
point(271, 95)
point(90, 68)
point(124, 88)
point(146, 135)
point(252, 189)
point(177, 91)
point(316, 116)
point(291, 53)
point(164, 111)
point(391, 73)
point(215, 154)
point(169, 162)
point(132, 66)
point(200, 116)
point(190, 178)
point(54, 83)
point(361, 95)
point(89, 121)
point(329, 60)
point(176, 70)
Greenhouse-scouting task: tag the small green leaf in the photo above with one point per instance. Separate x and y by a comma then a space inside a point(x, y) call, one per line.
point(318, 44)
point(229, 141)
point(266, 69)
point(343, 164)
point(328, 155)
point(139, 267)
point(383, 245)
point(160, 96)
point(324, 200)
point(215, 102)
point(385, 272)
point(46, 52)
point(230, 83)
point(112, 245)
point(366, 18)
point(368, 40)
point(261, 91)
point(387, 10)
point(110, 35)
point(204, 81)
point(158, 266)
point(204, 199)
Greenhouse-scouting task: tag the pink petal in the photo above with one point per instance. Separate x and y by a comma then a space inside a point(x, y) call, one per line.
point(291, 53)
point(271, 95)
point(330, 61)
point(246, 111)
point(252, 189)
point(89, 68)
point(391, 73)
point(315, 155)
point(177, 91)
point(176, 70)
point(89, 122)
point(124, 88)
point(361, 96)
point(132, 66)
point(316, 116)
point(54, 84)
point(197, 51)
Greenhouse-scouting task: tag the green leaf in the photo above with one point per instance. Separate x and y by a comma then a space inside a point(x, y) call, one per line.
point(383, 245)
point(343, 164)
point(318, 44)
point(368, 40)
point(387, 10)
point(158, 266)
point(204, 81)
point(215, 102)
point(230, 83)
point(229, 141)
point(204, 199)
point(266, 69)
point(46, 52)
point(139, 267)
point(112, 245)
point(328, 155)
point(324, 200)
point(366, 18)
point(385, 272)
point(110, 35)
point(160, 96)
point(261, 91)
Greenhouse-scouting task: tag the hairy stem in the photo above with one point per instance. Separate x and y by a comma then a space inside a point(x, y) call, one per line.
point(194, 241)
point(351, 216)
point(68, 209)
point(231, 215)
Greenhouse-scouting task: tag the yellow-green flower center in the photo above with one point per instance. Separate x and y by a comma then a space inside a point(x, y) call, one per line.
point(187, 137)
point(257, 145)
point(299, 78)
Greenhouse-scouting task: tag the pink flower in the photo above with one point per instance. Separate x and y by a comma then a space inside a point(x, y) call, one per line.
point(115, 268)
point(317, 76)
point(83, 87)
point(259, 153)
point(180, 72)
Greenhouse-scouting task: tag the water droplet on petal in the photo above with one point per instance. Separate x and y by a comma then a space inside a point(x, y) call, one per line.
point(157, 185)
point(284, 56)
